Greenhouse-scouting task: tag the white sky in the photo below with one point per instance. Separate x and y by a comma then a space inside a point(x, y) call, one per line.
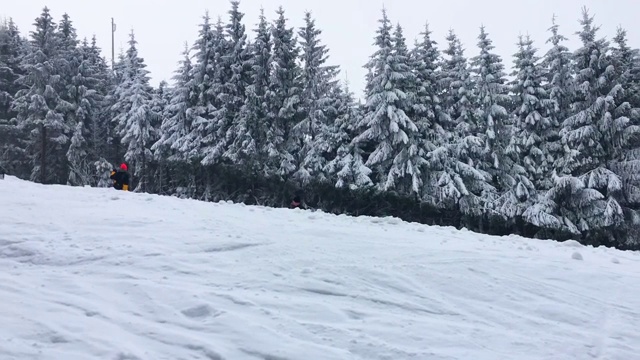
point(348, 26)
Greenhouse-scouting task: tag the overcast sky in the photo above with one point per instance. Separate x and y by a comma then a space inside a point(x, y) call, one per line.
point(348, 26)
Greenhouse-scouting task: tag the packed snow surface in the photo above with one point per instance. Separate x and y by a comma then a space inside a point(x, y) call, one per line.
point(102, 274)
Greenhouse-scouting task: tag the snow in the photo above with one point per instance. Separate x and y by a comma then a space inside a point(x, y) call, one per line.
point(91, 273)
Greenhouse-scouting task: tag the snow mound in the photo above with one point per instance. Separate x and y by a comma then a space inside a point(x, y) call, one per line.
point(99, 274)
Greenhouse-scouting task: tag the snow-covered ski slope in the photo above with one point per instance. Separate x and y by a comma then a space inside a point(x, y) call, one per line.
point(101, 274)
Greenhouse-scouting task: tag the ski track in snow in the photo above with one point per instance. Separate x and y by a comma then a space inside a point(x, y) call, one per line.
point(100, 274)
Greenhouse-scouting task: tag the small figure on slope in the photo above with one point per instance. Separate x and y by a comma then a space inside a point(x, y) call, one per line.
point(296, 203)
point(120, 178)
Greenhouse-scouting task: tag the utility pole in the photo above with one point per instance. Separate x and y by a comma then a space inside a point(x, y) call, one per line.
point(113, 47)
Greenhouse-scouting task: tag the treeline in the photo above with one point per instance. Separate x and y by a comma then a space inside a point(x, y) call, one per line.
point(442, 137)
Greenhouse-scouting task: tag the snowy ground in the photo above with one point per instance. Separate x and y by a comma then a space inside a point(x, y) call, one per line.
point(101, 274)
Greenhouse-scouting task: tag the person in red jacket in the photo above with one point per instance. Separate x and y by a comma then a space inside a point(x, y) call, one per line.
point(120, 178)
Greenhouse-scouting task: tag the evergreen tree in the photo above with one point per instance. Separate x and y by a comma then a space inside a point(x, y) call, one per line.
point(396, 161)
point(69, 58)
point(455, 182)
point(159, 101)
point(347, 166)
point(211, 126)
point(176, 125)
point(158, 173)
point(203, 76)
point(175, 147)
point(134, 114)
point(526, 149)
point(84, 92)
point(234, 65)
point(433, 121)
point(284, 98)
point(627, 63)
point(102, 83)
point(493, 119)
point(12, 48)
point(114, 142)
point(560, 86)
point(248, 149)
point(68, 61)
point(39, 107)
point(457, 87)
point(318, 80)
point(406, 172)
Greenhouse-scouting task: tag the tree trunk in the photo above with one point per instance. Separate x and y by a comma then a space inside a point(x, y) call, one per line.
point(43, 155)
point(144, 173)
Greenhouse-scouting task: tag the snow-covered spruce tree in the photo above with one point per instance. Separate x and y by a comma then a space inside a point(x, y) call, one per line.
point(347, 167)
point(204, 66)
point(587, 197)
point(407, 168)
point(102, 128)
point(395, 161)
point(211, 75)
point(12, 48)
point(427, 109)
point(159, 101)
point(560, 86)
point(68, 60)
point(101, 72)
point(627, 63)
point(531, 166)
point(494, 126)
point(173, 144)
point(207, 79)
point(158, 167)
point(248, 149)
point(238, 61)
point(284, 99)
point(318, 81)
point(80, 169)
point(233, 67)
point(457, 88)
point(173, 147)
point(433, 121)
point(85, 93)
point(456, 183)
point(115, 150)
point(134, 114)
point(37, 104)
point(73, 90)
point(79, 89)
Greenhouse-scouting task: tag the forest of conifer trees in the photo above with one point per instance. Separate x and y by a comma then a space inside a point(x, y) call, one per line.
point(445, 135)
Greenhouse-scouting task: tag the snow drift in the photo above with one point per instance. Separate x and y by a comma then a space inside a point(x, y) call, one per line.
point(101, 274)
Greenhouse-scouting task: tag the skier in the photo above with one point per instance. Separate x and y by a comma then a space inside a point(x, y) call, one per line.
point(120, 178)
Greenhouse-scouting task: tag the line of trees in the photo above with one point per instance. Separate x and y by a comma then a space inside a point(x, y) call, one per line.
point(442, 137)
